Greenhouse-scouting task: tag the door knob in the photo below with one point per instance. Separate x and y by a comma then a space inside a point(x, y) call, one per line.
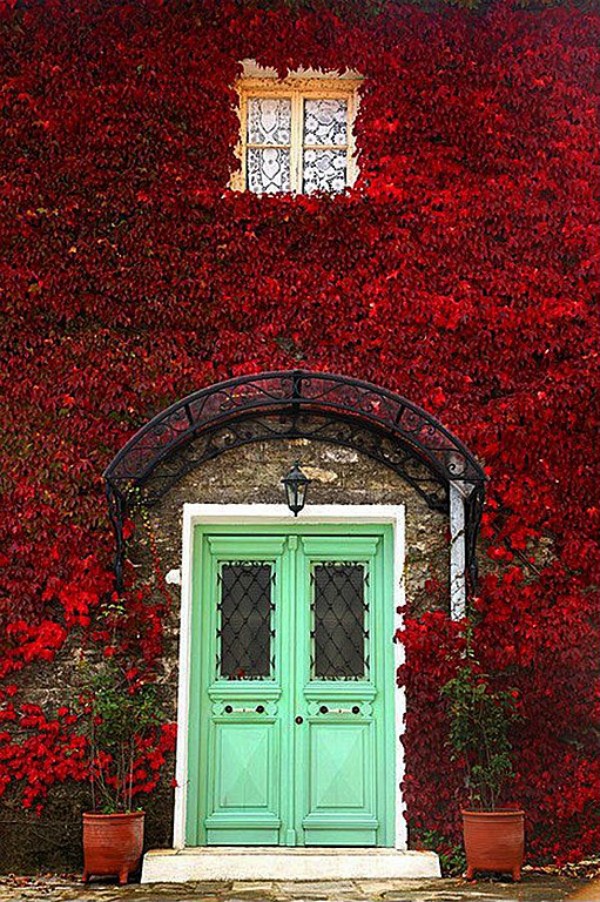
point(299, 719)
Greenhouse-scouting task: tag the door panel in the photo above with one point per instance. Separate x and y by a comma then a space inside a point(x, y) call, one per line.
point(341, 796)
point(291, 733)
point(338, 757)
point(245, 784)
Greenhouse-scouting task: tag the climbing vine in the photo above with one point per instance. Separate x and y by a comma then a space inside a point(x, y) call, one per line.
point(461, 271)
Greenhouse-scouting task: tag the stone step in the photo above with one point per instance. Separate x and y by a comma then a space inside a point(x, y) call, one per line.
point(284, 863)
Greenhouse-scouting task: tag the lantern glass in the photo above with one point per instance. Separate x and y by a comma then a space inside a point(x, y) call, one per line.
point(296, 488)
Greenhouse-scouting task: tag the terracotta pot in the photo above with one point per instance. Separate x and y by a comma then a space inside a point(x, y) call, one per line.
point(112, 844)
point(494, 841)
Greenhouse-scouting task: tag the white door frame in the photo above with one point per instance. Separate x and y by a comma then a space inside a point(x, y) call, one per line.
point(244, 514)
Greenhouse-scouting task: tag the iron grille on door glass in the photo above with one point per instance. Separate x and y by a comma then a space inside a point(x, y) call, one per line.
point(340, 610)
point(244, 629)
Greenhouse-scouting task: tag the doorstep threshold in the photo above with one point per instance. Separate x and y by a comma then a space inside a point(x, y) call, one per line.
point(286, 863)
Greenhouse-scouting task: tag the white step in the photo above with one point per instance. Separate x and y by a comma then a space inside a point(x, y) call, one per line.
point(283, 863)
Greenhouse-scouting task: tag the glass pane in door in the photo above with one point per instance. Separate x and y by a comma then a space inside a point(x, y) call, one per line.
point(244, 629)
point(340, 610)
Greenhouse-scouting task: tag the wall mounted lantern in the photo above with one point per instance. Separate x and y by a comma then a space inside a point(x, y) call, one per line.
point(296, 488)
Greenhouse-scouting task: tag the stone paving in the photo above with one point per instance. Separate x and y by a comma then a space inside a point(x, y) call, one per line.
point(533, 888)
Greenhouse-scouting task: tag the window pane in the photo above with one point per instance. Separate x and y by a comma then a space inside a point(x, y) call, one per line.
point(326, 122)
point(324, 170)
point(244, 634)
point(339, 621)
point(269, 120)
point(268, 170)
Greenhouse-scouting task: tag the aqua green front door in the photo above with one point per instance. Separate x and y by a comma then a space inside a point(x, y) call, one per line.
point(291, 715)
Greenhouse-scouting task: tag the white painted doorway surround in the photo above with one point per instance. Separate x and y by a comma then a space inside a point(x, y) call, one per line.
point(214, 862)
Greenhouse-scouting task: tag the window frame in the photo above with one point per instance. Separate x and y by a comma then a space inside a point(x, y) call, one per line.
point(297, 89)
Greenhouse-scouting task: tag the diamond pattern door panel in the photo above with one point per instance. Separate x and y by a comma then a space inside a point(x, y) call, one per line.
point(243, 755)
point(338, 764)
point(291, 726)
point(242, 775)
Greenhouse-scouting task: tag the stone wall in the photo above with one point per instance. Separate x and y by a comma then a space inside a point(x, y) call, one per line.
point(252, 474)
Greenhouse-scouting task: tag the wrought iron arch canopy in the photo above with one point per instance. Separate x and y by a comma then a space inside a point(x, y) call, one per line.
point(296, 404)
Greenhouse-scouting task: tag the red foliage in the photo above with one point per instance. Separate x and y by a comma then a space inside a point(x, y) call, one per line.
point(461, 270)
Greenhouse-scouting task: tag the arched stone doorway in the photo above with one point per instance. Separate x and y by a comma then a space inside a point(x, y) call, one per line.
point(321, 738)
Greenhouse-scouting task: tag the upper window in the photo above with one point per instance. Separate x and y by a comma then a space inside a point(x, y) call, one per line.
point(297, 134)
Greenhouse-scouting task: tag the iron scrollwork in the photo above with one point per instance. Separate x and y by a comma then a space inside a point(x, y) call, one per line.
point(291, 405)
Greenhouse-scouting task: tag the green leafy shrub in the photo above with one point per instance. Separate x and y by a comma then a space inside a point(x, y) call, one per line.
point(121, 720)
point(481, 719)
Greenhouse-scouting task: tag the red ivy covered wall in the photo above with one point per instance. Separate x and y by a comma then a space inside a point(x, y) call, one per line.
point(462, 271)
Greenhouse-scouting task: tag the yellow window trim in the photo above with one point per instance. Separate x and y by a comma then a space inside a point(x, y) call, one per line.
point(297, 89)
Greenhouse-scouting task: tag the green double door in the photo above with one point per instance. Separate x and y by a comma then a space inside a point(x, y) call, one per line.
point(291, 713)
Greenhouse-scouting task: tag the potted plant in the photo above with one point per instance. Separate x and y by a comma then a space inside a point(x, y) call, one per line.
point(481, 719)
point(119, 715)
